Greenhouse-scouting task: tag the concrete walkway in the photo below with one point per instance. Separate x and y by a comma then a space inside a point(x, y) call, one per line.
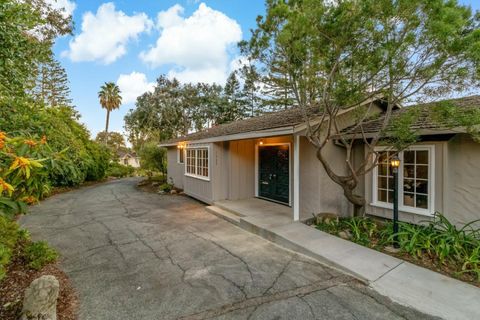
point(403, 282)
point(137, 255)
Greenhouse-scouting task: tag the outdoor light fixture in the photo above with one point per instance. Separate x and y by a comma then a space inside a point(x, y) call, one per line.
point(261, 142)
point(395, 164)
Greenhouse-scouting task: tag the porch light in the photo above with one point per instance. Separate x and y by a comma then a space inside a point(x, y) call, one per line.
point(261, 142)
point(181, 145)
point(395, 164)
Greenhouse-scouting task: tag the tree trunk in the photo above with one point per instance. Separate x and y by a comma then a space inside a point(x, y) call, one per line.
point(106, 126)
point(348, 185)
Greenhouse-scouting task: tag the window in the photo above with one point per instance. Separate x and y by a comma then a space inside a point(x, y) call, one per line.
point(197, 164)
point(180, 155)
point(415, 192)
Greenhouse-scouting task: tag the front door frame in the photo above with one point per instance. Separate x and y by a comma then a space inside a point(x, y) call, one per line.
point(290, 168)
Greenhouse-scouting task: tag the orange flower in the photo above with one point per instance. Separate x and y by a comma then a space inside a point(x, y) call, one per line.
point(29, 200)
point(31, 143)
point(44, 139)
point(5, 187)
point(3, 135)
point(2, 144)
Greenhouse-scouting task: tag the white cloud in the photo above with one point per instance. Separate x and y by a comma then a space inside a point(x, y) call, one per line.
point(133, 85)
point(198, 46)
point(105, 35)
point(67, 7)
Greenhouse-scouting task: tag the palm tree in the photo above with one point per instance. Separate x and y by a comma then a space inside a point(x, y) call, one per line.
point(110, 99)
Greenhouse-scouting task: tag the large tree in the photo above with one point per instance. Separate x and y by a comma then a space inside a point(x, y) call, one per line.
point(110, 99)
point(27, 32)
point(115, 141)
point(345, 54)
point(51, 86)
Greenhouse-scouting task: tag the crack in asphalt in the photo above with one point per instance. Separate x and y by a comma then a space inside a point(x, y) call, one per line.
point(261, 300)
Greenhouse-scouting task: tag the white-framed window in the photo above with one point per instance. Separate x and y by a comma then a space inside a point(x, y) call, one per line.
point(181, 155)
point(197, 162)
point(415, 180)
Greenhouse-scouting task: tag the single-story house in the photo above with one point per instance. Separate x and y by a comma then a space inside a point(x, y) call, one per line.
point(129, 159)
point(268, 157)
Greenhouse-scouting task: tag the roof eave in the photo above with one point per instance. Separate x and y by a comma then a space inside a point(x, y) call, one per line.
point(238, 136)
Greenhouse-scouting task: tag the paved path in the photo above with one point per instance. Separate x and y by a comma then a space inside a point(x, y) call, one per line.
point(137, 255)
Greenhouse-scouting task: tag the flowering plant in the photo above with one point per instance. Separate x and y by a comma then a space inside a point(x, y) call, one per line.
point(24, 168)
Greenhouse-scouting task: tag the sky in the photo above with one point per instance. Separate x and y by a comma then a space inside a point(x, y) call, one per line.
point(132, 43)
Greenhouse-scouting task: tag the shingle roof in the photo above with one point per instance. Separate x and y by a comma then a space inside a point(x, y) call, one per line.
point(294, 116)
point(271, 120)
point(425, 120)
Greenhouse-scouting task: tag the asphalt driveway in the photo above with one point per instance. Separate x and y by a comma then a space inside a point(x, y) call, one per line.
point(137, 255)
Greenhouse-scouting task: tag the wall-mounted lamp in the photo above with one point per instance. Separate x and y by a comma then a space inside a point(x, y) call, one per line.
point(261, 142)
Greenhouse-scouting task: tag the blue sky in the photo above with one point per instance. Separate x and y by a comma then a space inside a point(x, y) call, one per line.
point(133, 42)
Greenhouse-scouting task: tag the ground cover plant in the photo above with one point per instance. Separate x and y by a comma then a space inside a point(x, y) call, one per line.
point(436, 244)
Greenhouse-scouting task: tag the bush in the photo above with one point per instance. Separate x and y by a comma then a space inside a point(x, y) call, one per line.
point(38, 254)
point(118, 170)
point(9, 236)
point(77, 157)
point(153, 158)
point(166, 187)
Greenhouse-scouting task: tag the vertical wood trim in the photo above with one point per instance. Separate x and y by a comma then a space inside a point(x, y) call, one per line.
point(296, 178)
point(256, 169)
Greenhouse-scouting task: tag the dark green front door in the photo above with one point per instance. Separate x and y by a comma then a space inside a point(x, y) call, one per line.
point(273, 172)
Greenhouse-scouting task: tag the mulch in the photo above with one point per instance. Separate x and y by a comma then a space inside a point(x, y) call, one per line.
point(19, 277)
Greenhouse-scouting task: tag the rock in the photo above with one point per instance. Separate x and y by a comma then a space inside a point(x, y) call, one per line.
point(173, 191)
point(392, 249)
point(40, 300)
point(345, 234)
point(326, 217)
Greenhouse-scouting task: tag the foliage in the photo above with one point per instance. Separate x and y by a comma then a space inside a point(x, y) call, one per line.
point(153, 158)
point(110, 99)
point(337, 55)
point(115, 141)
point(166, 187)
point(50, 84)
point(118, 170)
point(9, 235)
point(24, 165)
point(174, 109)
point(438, 240)
point(38, 254)
point(77, 157)
point(27, 31)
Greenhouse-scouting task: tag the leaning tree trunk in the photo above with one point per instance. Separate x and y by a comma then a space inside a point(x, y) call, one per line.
point(348, 184)
point(106, 126)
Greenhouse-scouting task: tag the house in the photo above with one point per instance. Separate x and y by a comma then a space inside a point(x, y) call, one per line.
point(269, 158)
point(129, 159)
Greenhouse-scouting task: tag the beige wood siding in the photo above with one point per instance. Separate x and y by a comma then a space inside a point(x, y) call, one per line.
point(462, 180)
point(241, 173)
point(318, 193)
point(175, 171)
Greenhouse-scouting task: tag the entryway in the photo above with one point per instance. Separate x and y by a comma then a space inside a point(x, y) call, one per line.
point(274, 172)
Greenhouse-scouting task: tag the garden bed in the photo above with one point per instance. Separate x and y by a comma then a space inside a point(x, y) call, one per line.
point(18, 278)
point(22, 261)
point(437, 245)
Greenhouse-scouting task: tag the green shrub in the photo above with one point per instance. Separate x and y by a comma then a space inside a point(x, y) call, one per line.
point(166, 187)
point(118, 170)
point(153, 158)
point(38, 254)
point(9, 236)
